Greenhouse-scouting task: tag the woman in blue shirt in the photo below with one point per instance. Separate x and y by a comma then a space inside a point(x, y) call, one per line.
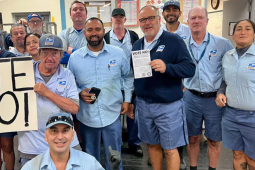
point(237, 93)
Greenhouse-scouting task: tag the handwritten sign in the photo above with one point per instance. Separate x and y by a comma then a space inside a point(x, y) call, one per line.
point(18, 111)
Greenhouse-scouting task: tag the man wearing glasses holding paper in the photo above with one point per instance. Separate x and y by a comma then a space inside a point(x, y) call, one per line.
point(159, 94)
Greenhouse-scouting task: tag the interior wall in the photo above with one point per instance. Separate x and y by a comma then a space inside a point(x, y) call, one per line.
point(7, 7)
point(233, 10)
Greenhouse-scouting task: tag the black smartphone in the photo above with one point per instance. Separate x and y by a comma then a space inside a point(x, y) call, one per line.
point(96, 91)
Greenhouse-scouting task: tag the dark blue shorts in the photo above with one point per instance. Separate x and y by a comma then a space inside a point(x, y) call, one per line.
point(199, 109)
point(8, 134)
point(162, 123)
point(238, 130)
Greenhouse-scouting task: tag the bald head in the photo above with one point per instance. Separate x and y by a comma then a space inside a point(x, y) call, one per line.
point(151, 7)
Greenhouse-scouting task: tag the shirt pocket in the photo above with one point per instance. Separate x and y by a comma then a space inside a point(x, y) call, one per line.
point(61, 90)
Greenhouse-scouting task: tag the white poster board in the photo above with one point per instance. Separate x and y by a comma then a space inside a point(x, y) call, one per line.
point(215, 23)
point(18, 111)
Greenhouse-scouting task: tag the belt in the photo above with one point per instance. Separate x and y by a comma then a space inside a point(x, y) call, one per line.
point(204, 94)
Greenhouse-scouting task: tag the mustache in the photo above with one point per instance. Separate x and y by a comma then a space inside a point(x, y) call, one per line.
point(94, 36)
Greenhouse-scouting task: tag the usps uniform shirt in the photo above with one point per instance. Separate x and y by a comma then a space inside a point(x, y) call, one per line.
point(183, 31)
point(18, 54)
point(63, 84)
point(239, 75)
point(208, 75)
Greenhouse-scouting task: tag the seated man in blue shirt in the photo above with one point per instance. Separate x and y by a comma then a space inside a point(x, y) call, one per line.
point(102, 66)
point(59, 134)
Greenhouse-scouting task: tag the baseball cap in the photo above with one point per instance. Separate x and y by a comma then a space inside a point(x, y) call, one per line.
point(50, 41)
point(172, 3)
point(59, 118)
point(117, 11)
point(34, 15)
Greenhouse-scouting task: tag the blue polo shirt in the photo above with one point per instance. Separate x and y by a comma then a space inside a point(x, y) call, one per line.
point(208, 75)
point(239, 75)
point(183, 31)
point(61, 83)
point(78, 161)
point(104, 72)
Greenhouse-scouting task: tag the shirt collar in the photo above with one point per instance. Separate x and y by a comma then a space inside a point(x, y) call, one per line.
point(156, 37)
point(87, 51)
point(113, 35)
point(73, 29)
point(250, 51)
point(60, 73)
point(179, 30)
point(46, 159)
point(73, 160)
point(194, 43)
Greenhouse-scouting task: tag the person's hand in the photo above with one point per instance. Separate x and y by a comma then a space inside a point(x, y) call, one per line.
point(41, 89)
point(85, 96)
point(158, 65)
point(69, 50)
point(124, 108)
point(130, 112)
point(22, 21)
point(221, 100)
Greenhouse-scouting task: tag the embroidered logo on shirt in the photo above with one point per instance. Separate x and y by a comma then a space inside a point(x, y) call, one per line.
point(184, 37)
point(112, 63)
point(62, 83)
point(49, 41)
point(160, 48)
point(251, 66)
point(213, 52)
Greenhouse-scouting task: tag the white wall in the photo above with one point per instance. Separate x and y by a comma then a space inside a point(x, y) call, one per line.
point(7, 7)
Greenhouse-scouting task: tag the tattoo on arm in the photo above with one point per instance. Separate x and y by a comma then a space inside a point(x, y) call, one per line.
point(244, 165)
point(251, 167)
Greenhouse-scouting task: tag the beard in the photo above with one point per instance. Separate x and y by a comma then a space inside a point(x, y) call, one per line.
point(172, 21)
point(36, 30)
point(94, 43)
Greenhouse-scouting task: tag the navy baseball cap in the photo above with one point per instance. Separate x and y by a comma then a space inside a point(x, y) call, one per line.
point(119, 11)
point(50, 41)
point(59, 118)
point(34, 15)
point(172, 3)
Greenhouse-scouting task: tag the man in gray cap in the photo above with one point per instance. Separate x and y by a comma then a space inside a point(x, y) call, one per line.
point(56, 91)
point(123, 38)
point(59, 134)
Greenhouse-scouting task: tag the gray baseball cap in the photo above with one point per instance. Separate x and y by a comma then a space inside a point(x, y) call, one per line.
point(172, 3)
point(50, 41)
point(59, 118)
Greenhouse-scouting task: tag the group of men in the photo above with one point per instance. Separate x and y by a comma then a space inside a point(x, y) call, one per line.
point(183, 59)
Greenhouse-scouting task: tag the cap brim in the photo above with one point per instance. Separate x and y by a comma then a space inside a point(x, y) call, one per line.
point(57, 122)
point(171, 5)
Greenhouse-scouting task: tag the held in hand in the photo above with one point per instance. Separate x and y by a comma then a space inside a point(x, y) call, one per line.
point(85, 96)
point(158, 65)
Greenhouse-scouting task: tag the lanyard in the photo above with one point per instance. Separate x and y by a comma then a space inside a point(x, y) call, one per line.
point(202, 55)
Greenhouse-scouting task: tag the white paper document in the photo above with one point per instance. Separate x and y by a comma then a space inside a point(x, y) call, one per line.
point(105, 14)
point(141, 65)
point(96, 3)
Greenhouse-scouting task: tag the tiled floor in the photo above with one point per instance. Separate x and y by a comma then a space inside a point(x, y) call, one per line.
point(131, 162)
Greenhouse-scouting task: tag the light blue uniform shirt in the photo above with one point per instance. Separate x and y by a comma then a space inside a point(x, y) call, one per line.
point(18, 54)
point(239, 75)
point(63, 84)
point(149, 46)
point(183, 31)
point(71, 37)
point(103, 71)
point(78, 161)
point(126, 46)
point(208, 75)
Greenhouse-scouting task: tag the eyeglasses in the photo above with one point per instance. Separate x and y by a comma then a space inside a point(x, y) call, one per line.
point(60, 118)
point(35, 22)
point(150, 18)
